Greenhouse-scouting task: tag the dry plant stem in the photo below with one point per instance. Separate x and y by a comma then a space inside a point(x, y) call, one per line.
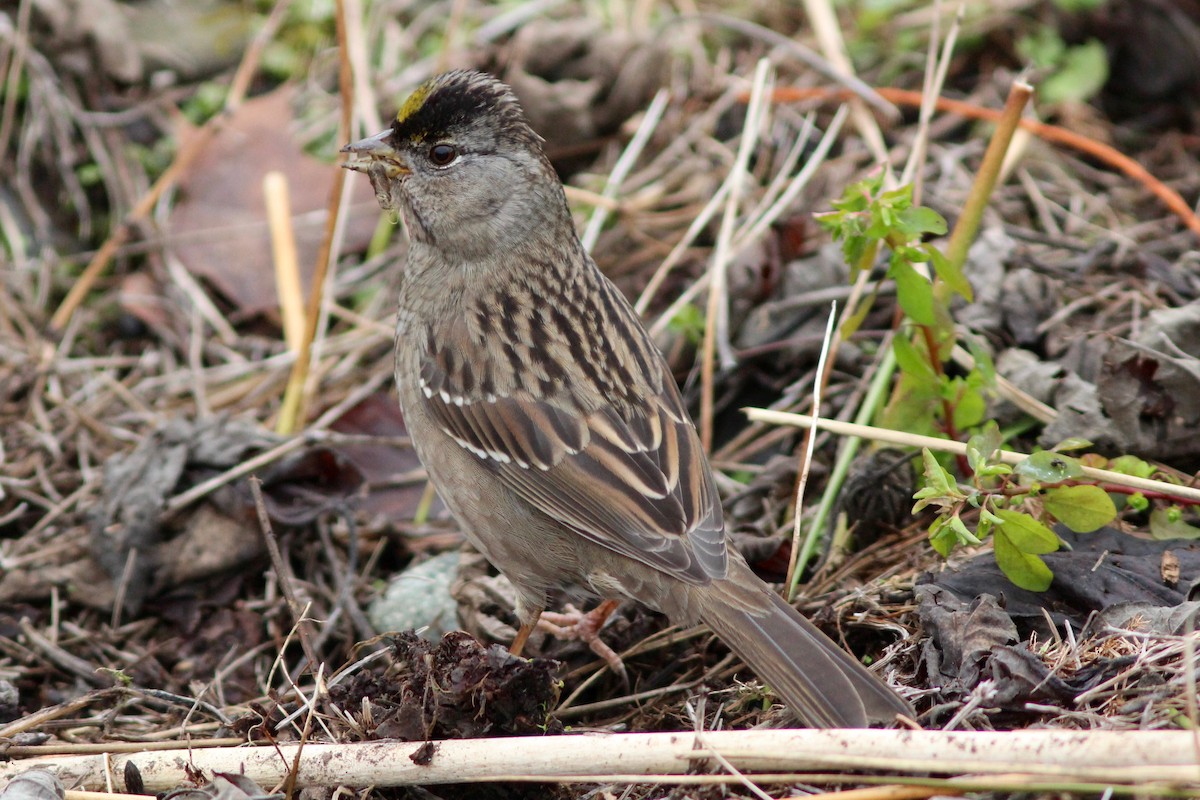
point(886, 793)
point(1189, 658)
point(855, 86)
point(183, 159)
point(1050, 133)
point(296, 397)
point(84, 670)
point(1155, 760)
point(724, 764)
point(617, 703)
point(1185, 493)
point(281, 572)
point(660, 275)
point(283, 249)
point(289, 781)
point(716, 318)
point(186, 498)
point(91, 273)
point(810, 444)
point(829, 34)
point(15, 68)
point(1008, 390)
point(657, 641)
point(44, 715)
point(624, 164)
point(879, 380)
point(360, 69)
point(451, 41)
point(65, 748)
point(935, 78)
point(967, 226)
point(811, 164)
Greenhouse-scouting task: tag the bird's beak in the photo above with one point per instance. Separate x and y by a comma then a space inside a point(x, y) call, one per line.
point(375, 150)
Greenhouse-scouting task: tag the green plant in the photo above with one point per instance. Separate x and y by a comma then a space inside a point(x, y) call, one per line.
point(1012, 505)
point(689, 323)
point(926, 399)
point(1075, 73)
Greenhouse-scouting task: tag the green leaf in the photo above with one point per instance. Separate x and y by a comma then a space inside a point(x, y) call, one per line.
point(1137, 501)
point(995, 469)
point(860, 254)
point(982, 446)
point(912, 405)
point(1026, 570)
point(1081, 74)
point(962, 531)
point(857, 196)
point(829, 220)
point(1169, 524)
point(917, 221)
point(912, 360)
point(1048, 467)
point(936, 476)
point(1025, 533)
point(689, 323)
point(989, 517)
point(942, 537)
point(1083, 509)
point(913, 292)
point(970, 407)
point(1131, 465)
point(1044, 47)
point(881, 223)
point(984, 365)
point(950, 274)
point(900, 197)
point(1071, 443)
point(940, 489)
point(854, 321)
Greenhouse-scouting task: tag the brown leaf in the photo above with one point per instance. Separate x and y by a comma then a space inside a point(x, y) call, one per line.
point(218, 227)
point(384, 464)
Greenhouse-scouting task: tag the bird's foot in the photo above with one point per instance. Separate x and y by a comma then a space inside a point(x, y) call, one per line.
point(575, 624)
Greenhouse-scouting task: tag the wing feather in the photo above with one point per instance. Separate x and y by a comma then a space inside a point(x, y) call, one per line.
point(606, 449)
point(621, 484)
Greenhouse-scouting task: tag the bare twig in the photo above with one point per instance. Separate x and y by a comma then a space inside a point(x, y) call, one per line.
point(904, 439)
point(283, 574)
point(1152, 762)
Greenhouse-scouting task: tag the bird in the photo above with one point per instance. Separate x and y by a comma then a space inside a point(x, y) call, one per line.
point(545, 416)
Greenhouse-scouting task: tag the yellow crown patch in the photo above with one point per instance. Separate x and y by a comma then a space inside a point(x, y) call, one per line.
point(414, 102)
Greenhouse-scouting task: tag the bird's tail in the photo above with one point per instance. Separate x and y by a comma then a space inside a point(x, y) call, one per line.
point(822, 683)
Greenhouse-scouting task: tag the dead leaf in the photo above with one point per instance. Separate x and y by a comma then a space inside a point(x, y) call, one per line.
point(218, 227)
point(1169, 568)
point(384, 465)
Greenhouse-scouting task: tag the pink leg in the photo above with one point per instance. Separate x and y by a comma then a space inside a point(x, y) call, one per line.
point(574, 624)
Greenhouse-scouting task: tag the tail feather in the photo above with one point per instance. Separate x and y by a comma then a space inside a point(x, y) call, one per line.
point(822, 683)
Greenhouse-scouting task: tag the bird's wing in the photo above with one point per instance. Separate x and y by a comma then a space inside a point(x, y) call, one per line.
point(630, 476)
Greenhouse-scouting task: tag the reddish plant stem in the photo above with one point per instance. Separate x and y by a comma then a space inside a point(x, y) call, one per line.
point(1111, 488)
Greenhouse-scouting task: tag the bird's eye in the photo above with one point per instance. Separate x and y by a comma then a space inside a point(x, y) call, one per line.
point(442, 154)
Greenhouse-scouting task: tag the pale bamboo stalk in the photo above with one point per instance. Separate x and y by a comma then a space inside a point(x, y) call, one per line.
point(956, 448)
point(283, 248)
point(1122, 757)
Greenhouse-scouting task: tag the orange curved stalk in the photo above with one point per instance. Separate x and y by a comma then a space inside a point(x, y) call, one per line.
point(1050, 133)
